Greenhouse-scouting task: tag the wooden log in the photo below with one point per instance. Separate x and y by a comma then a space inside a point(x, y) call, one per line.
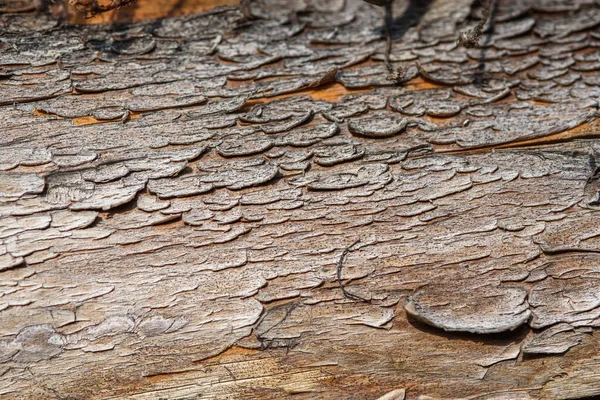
point(208, 207)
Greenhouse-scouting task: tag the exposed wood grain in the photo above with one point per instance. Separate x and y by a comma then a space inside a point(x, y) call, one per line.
point(149, 9)
point(207, 207)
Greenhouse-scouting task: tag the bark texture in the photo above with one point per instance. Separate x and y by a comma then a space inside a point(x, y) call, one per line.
point(187, 212)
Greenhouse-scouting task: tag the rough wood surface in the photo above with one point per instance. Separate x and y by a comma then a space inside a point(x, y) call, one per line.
point(208, 207)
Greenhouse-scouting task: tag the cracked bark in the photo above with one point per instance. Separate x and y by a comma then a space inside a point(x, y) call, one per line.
point(192, 206)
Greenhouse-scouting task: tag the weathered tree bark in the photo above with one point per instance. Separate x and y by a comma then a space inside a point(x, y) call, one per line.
point(187, 212)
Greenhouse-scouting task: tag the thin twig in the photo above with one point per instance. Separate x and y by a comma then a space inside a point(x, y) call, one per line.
point(389, 15)
point(471, 38)
point(399, 73)
point(340, 266)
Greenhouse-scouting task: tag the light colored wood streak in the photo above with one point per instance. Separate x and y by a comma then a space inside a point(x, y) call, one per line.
point(336, 91)
point(150, 9)
point(584, 131)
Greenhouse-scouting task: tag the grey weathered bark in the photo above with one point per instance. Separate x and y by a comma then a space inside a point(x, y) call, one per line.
point(183, 215)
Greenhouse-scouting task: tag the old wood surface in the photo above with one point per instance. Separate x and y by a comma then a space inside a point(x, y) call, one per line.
point(207, 207)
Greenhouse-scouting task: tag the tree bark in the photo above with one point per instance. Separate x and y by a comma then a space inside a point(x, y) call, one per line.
point(210, 207)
